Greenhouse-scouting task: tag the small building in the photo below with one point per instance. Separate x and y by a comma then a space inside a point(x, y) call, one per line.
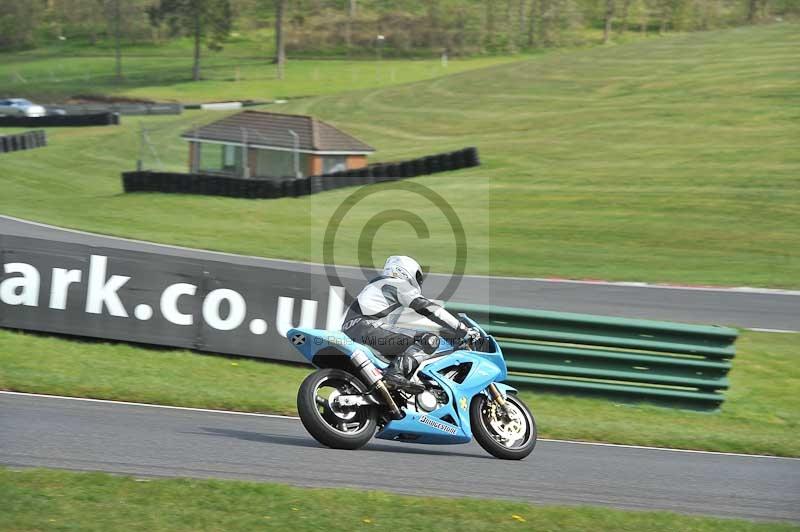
point(272, 145)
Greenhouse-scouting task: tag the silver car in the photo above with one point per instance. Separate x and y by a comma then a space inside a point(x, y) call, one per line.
point(21, 107)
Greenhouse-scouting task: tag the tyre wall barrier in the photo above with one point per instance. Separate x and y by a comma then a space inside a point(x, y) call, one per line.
point(261, 188)
point(120, 108)
point(654, 360)
point(212, 185)
point(95, 119)
point(23, 141)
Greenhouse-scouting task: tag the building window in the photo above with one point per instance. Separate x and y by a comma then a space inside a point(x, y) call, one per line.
point(221, 159)
point(280, 164)
point(333, 163)
point(230, 156)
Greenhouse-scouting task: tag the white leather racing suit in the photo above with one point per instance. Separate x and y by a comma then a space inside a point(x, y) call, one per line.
point(372, 319)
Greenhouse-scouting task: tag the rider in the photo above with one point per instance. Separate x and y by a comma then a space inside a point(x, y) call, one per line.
point(372, 320)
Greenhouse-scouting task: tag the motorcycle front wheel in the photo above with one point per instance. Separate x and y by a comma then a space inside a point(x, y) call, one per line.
point(508, 435)
point(328, 422)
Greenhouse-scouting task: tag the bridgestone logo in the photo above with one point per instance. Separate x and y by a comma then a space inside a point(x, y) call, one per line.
point(437, 425)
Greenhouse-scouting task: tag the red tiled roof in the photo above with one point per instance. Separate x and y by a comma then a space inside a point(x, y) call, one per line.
point(272, 129)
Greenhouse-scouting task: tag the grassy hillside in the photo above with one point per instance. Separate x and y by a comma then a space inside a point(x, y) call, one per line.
point(669, 160)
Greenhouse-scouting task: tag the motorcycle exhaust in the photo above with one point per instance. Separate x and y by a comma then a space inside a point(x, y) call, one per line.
point(373, 377)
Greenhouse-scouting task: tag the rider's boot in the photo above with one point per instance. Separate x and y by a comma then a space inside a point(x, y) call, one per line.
point(396, 375)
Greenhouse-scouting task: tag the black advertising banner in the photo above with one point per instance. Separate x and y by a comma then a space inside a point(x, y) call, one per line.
point(161, 298)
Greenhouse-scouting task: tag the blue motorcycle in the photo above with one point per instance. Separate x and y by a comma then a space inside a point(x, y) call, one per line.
point(345, 402)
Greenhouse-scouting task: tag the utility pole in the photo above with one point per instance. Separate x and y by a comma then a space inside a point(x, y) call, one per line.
point(379, 46)
point(280, 49)
point(348, 28)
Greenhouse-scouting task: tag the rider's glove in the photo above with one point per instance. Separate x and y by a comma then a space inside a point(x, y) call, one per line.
point(469, 334)
point(473, 335)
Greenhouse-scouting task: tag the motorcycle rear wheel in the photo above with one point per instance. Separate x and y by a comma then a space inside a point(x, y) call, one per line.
point(329, 423)
point(508, 438)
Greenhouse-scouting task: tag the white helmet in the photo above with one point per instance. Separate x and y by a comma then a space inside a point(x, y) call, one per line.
point(402, 267)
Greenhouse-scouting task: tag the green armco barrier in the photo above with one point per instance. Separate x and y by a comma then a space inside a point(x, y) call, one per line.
point(656, 360)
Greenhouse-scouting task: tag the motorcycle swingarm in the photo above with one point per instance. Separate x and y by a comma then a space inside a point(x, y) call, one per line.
point(358, 400)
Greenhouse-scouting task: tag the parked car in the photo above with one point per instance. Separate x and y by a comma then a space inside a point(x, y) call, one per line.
point(21, 107)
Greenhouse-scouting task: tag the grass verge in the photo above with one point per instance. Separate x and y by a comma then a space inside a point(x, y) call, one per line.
point(59, 500)
point(758, 417)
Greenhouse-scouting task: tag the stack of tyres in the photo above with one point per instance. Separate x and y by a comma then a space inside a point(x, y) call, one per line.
point(392, 170)
point(250, 191)
point(366, 176)
point(241, 187)
point(457, 160)
point(355, 179)
point(444, 162)
point(127, 178)
point(207, 185)
point(432, 164)
point(185, 183)
point(406, 169)
point(287, 187)
point(339, 180)
point(138, 181)
point(328, 182)
point(303, 186)
point(471, 156)
point(378, 172)
point(273, 188)
point(316, 183)
point(267, 187)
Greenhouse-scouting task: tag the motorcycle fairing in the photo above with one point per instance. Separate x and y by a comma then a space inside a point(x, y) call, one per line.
point(429, 427)
point(321, 347)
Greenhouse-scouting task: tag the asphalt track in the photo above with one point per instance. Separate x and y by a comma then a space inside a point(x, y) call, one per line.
point(743, 307)
point(156, 441)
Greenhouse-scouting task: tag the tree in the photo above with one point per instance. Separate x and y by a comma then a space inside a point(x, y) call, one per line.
point(280, 46)
point(348, 29)
point(754, 7)
point(626, 10)
point(532, 12)
point(117, 16)
point(607, 19)
point(207, 21)
point(18, 22)
point(489, 41)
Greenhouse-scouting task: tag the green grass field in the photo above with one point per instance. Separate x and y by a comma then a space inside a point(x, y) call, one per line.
point(59, 500)
point(666, 160)
point(759, 416)
point(242, 70)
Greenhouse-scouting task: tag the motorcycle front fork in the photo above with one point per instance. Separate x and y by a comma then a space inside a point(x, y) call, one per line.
point(496, 395)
